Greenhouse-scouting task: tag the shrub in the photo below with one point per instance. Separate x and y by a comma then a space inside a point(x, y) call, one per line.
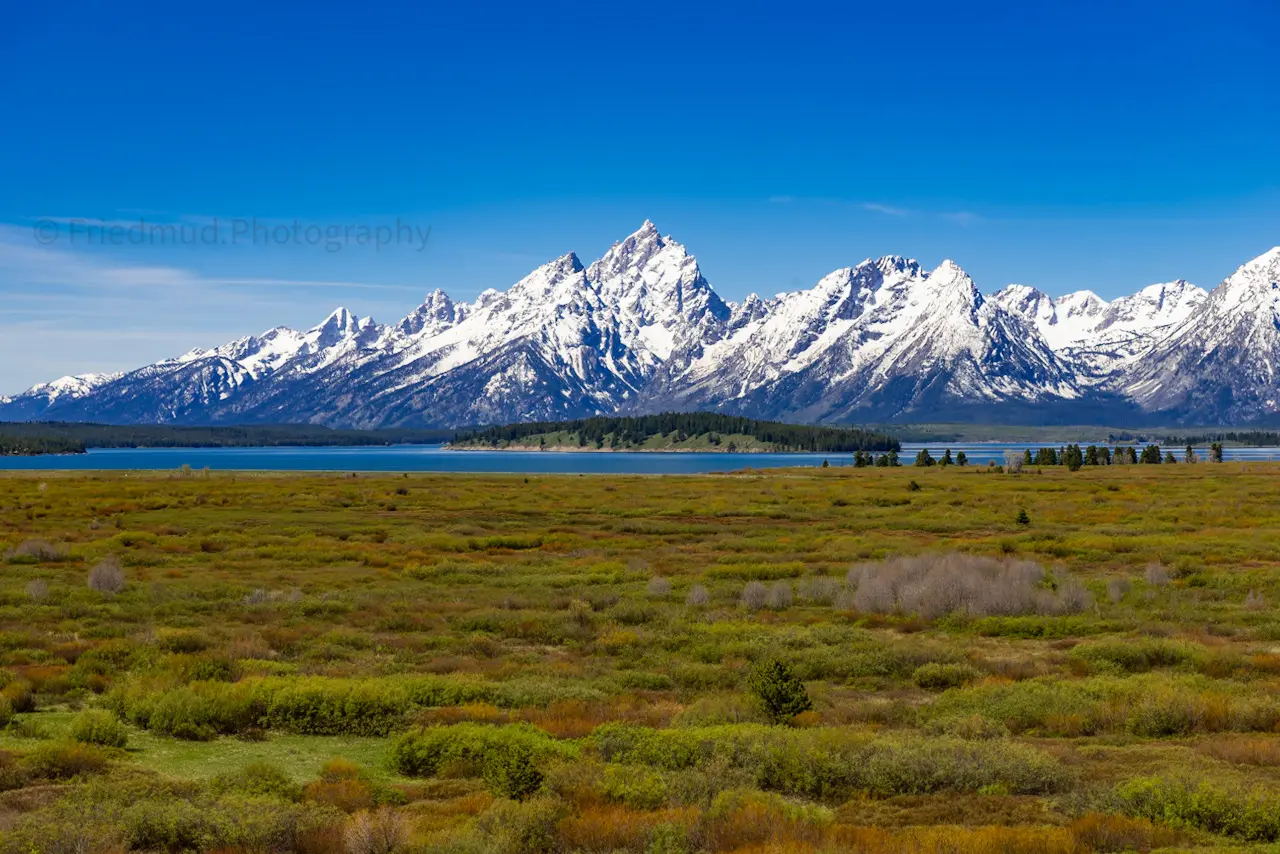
point(37, 590)
point(96, 726)
point(421, 753)
point(755, 595)
point(698, 596)
point(511, 772)
point(258, 778)
point(939, 677)
point(932, 586)
point(819, 589)
point(383, 831)
point(1118, 588)
point(37, 551)
point(1138, 656)
point(779, 691)
point(65, 760)
point(780, 596)
point(658, 588)
point(1099, 832)
point(528, 827)
point(832, 764)
point(1251, 815)
point(107, 576)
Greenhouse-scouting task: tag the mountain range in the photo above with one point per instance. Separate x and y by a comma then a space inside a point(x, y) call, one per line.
point(641, 330)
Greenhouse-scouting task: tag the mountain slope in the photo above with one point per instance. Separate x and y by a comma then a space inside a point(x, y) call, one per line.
point(882, 340)
point(1099, 338)
point(1221, 365)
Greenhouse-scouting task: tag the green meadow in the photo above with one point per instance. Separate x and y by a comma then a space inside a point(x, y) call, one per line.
point(943, 659)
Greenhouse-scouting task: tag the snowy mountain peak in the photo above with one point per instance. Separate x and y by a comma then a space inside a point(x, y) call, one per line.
point(436, 313)
point(890, 265)
point(340, 321)
point(1261, 277)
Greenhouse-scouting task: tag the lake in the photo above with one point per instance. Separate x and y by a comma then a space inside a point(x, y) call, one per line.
point(433, 458)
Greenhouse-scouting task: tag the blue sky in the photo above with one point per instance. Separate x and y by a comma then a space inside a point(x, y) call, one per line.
point(1098, 145)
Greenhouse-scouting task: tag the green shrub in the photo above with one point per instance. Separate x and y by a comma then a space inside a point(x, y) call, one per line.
point(258, 778)
point(421, 753)
point(829, 763)
point(636, 786)
point(1253, 815)
point(95, 726)
point(939, 677)
point(64, 761)
point(1137, 656)
point(511, 772)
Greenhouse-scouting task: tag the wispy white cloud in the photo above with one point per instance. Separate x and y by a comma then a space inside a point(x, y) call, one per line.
point(66, 310)
point(887, 210)
point(963, 218)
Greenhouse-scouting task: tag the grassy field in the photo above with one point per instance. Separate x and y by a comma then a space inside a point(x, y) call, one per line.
point(1046, 662)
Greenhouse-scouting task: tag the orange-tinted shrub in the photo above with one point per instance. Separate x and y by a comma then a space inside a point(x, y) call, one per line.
point(1098, 832)
point(610, 828)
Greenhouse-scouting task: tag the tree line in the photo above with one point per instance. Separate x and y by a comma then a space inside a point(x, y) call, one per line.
point(30, 446)
point(55, 437)
point(626, 431)
point(1074, 457)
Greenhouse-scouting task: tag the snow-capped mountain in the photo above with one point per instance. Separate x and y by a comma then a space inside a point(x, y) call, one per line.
point(641, 329)
point(874, 341)
point(1101, 338)
point(1222, 363)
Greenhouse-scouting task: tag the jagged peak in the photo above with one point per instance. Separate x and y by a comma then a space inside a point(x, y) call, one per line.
point(890, 264)
point(1016, 291)
point(950, 273)
point(1084, 295)
point(339, 318)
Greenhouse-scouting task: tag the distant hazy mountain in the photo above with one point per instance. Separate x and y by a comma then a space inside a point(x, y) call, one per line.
point(641, 330)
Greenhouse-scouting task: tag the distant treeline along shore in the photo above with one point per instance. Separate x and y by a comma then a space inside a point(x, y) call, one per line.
point(676, 431)
point(57, 437)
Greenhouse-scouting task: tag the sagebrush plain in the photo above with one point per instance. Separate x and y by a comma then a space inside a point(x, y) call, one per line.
point(378, 663)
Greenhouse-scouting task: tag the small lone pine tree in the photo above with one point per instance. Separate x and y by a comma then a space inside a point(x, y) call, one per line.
point(1023, 518)
point(779, 691)
point(512, 773)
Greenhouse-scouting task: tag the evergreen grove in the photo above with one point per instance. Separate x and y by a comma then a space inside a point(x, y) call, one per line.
point(629, 431)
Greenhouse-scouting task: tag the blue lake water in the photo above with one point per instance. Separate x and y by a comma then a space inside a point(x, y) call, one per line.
point(433, 458)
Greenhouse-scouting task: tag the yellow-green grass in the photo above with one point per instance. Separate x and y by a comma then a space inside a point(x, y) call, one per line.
point(516, 601)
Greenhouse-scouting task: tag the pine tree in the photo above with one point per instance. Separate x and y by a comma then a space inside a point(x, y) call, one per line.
point(893, 459)
point(1215, 452)
point(1189, 455)
point(946, 458)
point(961, 459)
point(924, 458)
point(1151, 455)
point(1026, 457)
point(1091, 455)
point(1022, 518)
point(779, 691)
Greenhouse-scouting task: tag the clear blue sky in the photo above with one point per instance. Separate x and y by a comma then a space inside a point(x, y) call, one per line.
point(1099, 145)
